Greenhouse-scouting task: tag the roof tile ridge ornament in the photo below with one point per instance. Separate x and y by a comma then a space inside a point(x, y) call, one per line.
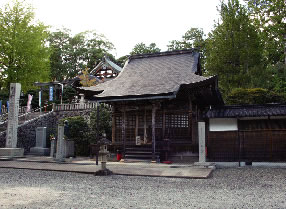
point(165, 53)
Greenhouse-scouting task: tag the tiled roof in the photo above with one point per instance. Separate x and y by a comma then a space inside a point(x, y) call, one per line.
point(247, 111)
point(153, 74)
point(106, 61)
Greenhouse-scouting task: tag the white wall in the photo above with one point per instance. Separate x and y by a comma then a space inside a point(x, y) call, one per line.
point(223, 124)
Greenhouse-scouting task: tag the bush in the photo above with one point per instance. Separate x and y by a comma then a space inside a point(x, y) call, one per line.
point(105, 123)
point(242, 96)
point(78, 131)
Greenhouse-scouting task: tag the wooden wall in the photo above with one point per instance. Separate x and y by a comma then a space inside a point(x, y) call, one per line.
point(247, 145)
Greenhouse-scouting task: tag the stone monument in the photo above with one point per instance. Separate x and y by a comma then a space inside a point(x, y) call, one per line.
point(11, 149)
point(60, 144)
point(41, 137)
point(202, 147)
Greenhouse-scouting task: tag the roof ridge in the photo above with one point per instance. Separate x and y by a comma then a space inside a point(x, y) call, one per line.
point(165, 53)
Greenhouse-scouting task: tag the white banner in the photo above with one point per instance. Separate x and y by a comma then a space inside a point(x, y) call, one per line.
point(30, 97)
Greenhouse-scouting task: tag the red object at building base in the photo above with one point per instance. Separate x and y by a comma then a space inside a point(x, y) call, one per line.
point(119, 156)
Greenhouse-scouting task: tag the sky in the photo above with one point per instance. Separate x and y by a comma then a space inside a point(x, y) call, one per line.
point(128, 22)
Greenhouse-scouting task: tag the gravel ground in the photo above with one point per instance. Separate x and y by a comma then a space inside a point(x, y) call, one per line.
point(227, 188)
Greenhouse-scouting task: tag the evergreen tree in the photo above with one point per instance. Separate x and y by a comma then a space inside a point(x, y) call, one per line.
point(233, 49)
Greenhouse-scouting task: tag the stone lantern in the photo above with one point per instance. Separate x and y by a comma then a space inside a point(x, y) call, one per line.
point(103, 152)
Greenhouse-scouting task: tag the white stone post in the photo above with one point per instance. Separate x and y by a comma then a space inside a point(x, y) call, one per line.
point(11, 149)
point(202, 142)
point(12, 128)
point(60, 144)
point(82, 101)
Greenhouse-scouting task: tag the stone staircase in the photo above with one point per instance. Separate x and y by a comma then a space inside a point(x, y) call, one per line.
point(140, 153)
point(23, 118)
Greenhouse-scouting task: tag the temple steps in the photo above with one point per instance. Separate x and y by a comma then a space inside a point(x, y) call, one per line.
point(140, 153)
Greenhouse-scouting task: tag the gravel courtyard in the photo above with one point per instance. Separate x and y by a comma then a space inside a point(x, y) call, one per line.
point(227, 188)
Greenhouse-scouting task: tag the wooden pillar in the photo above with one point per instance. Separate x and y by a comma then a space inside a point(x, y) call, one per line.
point(136, 124)
point(153, 132)
point(124, 130)
point(145, 126)
point(113, 124)
point(190, 117)
point(164, 125)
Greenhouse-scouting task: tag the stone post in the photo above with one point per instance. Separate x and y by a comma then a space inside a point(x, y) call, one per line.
point(12, 128)
point(202, 142)
point(41, 137)
point(82, 101)
point(11, 149)
point(52, 148)
point(202, 147)
point(60, 144)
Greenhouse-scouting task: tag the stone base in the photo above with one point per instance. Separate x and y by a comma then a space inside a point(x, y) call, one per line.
point(105, 172)
point(11, 152)
point(40, 151)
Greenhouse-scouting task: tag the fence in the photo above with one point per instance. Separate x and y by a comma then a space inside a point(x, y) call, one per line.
point(4, 110)
point(74, 106)
point(251, 145)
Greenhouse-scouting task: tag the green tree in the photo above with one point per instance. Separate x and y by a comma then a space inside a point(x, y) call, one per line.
point(59, 42)
point(243, 96)
point(71, 54)
point(269, 16)
point(233, 48)
point(121, 60)
point(142, 48)
point(24, 57)
point(193, 38)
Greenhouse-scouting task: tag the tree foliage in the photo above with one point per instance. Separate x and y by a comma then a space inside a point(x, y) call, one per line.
point(193, 38)
point(142, 48)
point(71, 54)
point(254, 96)
point(104, 125)
point(269, 16)
point(233, 48)
point(24, 57)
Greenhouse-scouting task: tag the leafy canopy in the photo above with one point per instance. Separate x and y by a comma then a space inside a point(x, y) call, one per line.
point(24, 57)
point(71, 54)
point(233, 48)
point(142, 48)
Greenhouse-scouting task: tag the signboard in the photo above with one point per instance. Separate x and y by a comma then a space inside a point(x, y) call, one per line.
point(40, 98)
point(7, 106)
point(138, 140)
point(0, 107)
point(51, 92)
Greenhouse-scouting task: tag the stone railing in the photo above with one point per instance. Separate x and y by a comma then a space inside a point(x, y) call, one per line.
point(74, 106)
point(23, 113)
point(4, 110)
